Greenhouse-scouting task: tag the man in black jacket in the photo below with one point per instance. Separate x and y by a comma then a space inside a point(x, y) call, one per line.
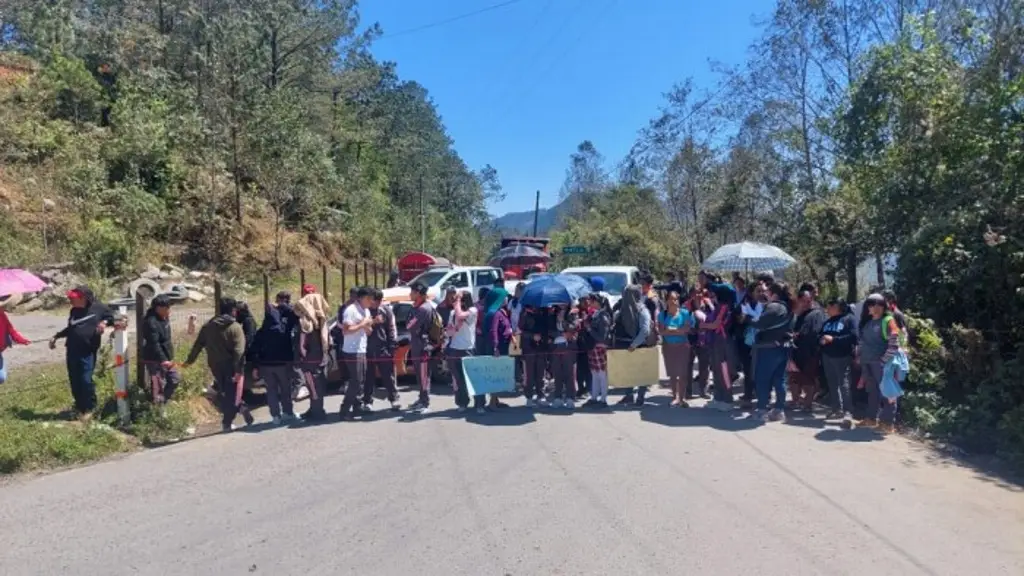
point(83, 335)
point(806, 351)
point(158, 350)
point(380, 352)
point(276, 357)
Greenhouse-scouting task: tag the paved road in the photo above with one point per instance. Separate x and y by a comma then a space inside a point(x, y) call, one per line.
point(660, 491)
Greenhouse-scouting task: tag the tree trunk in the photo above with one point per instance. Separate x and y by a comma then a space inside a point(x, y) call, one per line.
point(277, 240)
point(234, 173)
point(880, 269)
point(275, 65)
point(851, 275)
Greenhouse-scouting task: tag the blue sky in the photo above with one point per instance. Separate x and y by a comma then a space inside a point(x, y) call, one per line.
point(520, 86)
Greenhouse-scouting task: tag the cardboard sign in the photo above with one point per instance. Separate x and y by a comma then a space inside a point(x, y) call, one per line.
point(630, 369)
point(489, 374)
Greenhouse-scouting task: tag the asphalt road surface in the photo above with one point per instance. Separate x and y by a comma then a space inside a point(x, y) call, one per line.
point(657, 491)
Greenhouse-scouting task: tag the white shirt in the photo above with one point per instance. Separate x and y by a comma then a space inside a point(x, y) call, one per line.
point(465, 337)
point(517, 311)
point(355, 342)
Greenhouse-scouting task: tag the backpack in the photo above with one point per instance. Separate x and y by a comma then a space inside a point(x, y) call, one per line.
point(435, 332)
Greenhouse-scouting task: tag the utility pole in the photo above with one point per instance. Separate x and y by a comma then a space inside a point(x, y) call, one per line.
point(536, 213)
point(423, 221)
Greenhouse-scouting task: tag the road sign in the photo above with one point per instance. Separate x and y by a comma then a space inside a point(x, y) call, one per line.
point(574, 250)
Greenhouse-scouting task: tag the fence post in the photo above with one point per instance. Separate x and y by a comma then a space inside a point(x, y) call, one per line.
point(121, 365)
point(344, 281)
point(302, 279)
point(140, 316)
point(266, 290)
point(355, 272)
point(366, 276)
point(216, 297)
point(323, 278)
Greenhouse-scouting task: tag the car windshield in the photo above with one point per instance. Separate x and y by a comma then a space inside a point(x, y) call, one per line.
point(614, 282)
point(430, 277)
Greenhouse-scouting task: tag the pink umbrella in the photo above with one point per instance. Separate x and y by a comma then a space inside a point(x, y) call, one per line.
point(15, 280)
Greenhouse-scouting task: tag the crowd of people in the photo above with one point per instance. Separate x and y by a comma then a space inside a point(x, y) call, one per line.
point(713, 335)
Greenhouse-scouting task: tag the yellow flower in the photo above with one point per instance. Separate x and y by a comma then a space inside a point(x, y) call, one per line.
point(948, 241)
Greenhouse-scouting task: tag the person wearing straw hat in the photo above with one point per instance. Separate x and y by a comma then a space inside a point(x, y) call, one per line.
point(311, 311)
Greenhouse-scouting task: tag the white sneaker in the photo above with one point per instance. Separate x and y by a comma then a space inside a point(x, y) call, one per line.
point(531, 403)
point(276, 420)
point(462, 409)
point(568, 404)
point(543, 402)
point(301, 394)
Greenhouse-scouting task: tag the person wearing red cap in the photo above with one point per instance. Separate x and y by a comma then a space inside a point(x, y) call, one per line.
point(83, 335)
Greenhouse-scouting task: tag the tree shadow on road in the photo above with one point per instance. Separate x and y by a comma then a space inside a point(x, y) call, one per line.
point(986, 468)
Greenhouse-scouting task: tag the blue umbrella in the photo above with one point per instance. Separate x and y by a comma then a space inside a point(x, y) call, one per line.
point(549, 289)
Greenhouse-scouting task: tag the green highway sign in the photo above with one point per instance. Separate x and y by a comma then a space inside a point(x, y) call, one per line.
point(574, 250)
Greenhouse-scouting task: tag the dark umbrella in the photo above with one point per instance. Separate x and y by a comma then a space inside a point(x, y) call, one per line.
point(519, 254)
point(549, 289)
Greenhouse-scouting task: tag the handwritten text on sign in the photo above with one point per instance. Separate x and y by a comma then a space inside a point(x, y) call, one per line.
point(637, 368)
point(489, 375)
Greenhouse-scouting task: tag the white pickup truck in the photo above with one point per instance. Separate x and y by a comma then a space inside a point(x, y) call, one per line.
point(465, 278)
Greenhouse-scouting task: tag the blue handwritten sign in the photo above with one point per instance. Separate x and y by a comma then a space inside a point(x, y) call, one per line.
point(489, 375)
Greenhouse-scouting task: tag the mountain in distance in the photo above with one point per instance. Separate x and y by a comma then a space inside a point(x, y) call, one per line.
point(521, 223)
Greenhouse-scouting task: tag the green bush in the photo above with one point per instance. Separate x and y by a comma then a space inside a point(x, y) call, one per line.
point(103, 249)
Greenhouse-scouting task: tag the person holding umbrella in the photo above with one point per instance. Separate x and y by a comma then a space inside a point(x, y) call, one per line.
point(537, 324)
point(535, 327)
point(9, 336)
point(14, 281)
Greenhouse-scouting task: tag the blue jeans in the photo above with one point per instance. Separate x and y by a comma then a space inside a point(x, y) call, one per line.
point(83, 389)
point(770, 373)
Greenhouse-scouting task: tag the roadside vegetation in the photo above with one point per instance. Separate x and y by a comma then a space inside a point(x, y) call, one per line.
point(858, 134)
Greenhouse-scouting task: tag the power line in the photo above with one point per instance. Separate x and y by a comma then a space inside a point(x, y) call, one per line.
point(437, 23)
point(517, 78)
point(521, 47)
point(555, 62)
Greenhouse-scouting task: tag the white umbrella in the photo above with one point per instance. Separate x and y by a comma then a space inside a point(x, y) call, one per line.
point(748, 256)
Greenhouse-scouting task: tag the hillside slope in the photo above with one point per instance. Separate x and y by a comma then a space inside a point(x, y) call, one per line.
point(521, 223)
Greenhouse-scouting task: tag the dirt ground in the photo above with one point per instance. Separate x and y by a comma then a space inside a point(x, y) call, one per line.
point(40, 327)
